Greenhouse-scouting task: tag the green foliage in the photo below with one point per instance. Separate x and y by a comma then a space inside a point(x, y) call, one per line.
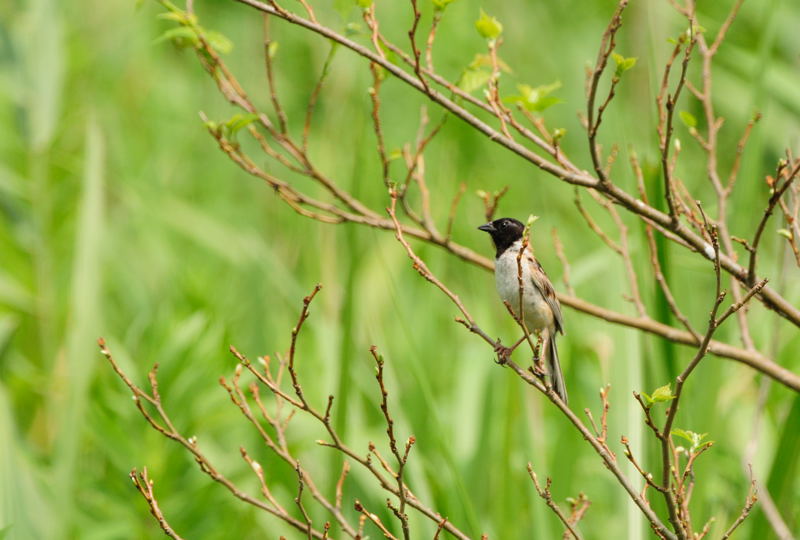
point(688, 119)
point(189, 34)
point(695, 439)
point(474, 79)
point(488, 27)
point(478, 73)
point(623, 64)
point(239, 121)
point(441, 5)
point(272, 48)
point(659, 395)
point(535, 99)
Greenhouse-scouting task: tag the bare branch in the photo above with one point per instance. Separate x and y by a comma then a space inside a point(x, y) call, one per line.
point(545, 494)
point(752, 498)
point(374, 519)
point(777, 192)
point(402, 459)
point(145, 487)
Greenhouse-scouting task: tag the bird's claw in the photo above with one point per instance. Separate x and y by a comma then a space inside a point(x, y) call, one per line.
point(503, 353)
point(538, 369)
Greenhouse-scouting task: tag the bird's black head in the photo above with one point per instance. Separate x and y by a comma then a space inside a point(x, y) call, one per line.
point(504, 232)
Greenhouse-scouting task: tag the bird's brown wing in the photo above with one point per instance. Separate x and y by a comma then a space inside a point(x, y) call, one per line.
point(542, 282)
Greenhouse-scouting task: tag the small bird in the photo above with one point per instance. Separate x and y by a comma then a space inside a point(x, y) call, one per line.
point(541, 311)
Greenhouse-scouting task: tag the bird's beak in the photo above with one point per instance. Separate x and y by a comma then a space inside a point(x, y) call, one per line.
point(487, 228)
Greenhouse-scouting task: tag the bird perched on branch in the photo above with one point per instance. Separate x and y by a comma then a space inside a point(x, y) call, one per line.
point(517, 269)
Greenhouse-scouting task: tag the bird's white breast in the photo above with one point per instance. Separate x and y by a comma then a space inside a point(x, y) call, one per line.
point(506, 273)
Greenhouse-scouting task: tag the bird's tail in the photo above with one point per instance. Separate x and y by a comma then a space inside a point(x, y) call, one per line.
point(554, 367)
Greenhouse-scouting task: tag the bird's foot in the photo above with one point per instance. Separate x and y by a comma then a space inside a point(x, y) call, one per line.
point(503, 353)
point(538, 368)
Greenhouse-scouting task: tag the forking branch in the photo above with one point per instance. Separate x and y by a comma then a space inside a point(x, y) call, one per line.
point(710, 238)
point(684, 235)
point(272, 423)
point(278, 143)
point(676, 489)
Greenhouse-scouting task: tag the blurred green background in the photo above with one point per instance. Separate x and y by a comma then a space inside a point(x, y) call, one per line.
point(121, 218)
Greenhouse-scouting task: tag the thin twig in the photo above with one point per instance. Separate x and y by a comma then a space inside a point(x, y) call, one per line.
point(752, 498)
point(545, 494)
point(145, 486)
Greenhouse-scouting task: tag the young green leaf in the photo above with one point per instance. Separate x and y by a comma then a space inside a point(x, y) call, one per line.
point(695, 439)
point(623, 64)
point(688, 119)
point(182, 36)
point(238, 121)
point(786, 233)
point(488, 27)
point(662, 393)
point(353, 29)
point(440, 5)
point(211, 125)
point(219, 42)
point(473, 79)
point(485, 61)
point(535, 99)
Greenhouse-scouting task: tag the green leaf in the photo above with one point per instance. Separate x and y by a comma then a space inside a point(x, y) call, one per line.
point(238, 121)
point(785, 233)
point(343, 7)
point(272, 49)
point(211, 125)
point(219, 42)
point(182, 36)
point(688, 119)
point(662, 393)
point(473, 79)
point(485, 61)
point(683, 434)
point(364, 4)
point(440, 5)
point(544, 103)
point(353, 29)
point(179, 16)
point(535, 99)
point(488, 26)
point(697, 29)
point(623, 64)
point(695, 439)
